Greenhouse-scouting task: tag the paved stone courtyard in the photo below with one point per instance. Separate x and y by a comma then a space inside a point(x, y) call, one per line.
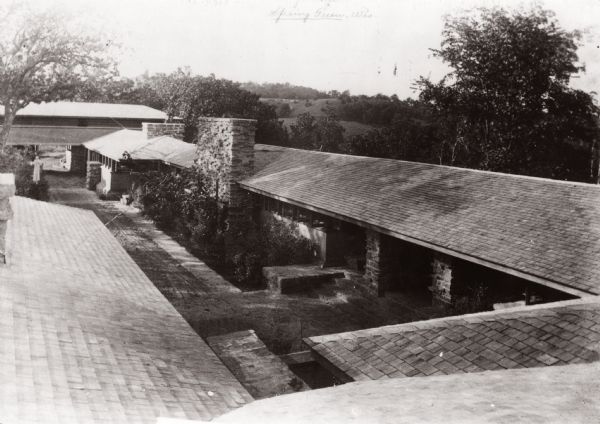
point(213, 306)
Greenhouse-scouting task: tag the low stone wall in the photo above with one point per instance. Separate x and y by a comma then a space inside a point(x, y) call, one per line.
point(93, 174)
point(262, 373)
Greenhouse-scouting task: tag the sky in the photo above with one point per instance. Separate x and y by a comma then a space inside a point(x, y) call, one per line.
point(328, 45)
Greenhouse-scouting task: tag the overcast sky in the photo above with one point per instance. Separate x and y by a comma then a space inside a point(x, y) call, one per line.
point(345, 44)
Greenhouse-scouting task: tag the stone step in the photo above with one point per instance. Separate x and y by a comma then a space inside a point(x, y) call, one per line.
point(299, 278)
point(261, 372)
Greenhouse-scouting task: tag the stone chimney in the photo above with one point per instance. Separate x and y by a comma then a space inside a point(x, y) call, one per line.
point(7, 189)
point(226, 155)
point(152, 130)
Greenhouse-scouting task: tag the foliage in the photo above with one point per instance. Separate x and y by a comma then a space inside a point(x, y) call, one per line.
point(283, 91)
point(44, 58)
point(323, 133)
point(506, 106)
point(284, 110)
point(17, 161)
point(180, 201)
point(372, 110)
point(475, 299)
point(142, 90)
point(189, 97)
point(409, 136)
point(272, 243)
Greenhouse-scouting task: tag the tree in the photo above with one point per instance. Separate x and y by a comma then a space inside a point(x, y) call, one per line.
point(43, 58)
point(507, 106)
point(323, 133)
point(191, 96)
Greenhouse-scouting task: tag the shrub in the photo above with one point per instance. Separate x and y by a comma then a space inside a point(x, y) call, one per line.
point(272, 243)
point(16, 160)
point(181, 203)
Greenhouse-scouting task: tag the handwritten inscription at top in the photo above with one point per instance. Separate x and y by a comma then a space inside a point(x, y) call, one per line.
point(322, 13)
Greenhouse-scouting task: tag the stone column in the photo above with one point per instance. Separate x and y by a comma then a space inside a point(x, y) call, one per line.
point(378, 266)
point(441, 280)
point(93, 174)
point(225, 156)
point(7, 190)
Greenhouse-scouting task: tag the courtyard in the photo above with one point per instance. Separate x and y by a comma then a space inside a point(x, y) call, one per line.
point(212, 306)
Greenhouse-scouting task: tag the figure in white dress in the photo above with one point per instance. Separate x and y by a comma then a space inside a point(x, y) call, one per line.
point(37, 169)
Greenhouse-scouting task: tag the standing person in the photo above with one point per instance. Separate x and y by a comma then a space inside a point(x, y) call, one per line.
point(37, 169)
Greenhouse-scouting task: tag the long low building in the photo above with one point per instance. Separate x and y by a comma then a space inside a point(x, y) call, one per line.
point(119, 154)
point(464, 235)
point(526, 229)
point(71, 124)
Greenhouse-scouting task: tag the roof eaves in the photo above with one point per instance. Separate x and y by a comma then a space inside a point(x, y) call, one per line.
point(564, 287)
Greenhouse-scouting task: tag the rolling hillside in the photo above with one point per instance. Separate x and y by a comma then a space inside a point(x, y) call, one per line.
point(317, 108)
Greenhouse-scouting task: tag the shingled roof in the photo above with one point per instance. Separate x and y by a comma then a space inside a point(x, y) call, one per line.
point(86, 336)
point(65, 109)
point(552, 334)
point(163, 148)
point(543, 230)
point(51, 135)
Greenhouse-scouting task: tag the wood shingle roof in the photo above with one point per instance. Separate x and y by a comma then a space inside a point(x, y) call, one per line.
point(546, 231)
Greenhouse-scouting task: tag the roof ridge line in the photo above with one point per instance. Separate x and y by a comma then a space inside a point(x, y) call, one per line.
point(520, 176)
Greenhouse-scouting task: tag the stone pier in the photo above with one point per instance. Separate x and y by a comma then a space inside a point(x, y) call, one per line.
point(93, 174)
point(442, 280)
point(379, 263)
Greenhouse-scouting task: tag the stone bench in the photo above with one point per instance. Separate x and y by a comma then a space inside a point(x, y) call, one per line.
point(299, 278)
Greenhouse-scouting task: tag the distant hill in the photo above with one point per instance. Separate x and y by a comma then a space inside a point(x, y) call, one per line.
point(283, 91)
point(316, 108)
point(351, 128)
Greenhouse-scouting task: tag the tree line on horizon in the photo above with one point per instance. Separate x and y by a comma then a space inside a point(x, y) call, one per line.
point(506, 105)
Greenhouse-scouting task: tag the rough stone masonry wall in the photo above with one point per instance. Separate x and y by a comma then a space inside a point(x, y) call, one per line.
point(441, 279)
point(93, 174)
point(378, 266)
point(7, 189)
point(77, 160)
point(157, 129)
point(226, 155)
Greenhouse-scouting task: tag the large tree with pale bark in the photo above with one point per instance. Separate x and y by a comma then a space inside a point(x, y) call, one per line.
point(45, 55)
